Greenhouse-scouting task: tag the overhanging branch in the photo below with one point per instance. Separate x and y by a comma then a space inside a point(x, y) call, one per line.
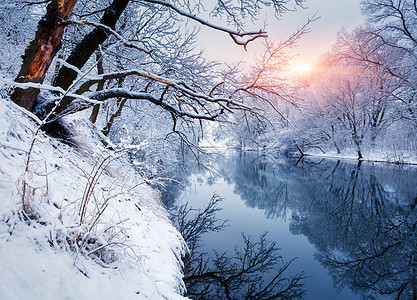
point(233, 33)
point(226, 103)
point(122, 93)
point(110, 31)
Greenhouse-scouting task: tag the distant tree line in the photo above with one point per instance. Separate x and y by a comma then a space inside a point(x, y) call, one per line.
point(361, 98)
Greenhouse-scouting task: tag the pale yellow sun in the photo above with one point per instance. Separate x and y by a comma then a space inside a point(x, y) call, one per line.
point(301, 68)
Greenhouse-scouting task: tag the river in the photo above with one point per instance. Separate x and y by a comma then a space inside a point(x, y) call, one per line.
point(350, 228)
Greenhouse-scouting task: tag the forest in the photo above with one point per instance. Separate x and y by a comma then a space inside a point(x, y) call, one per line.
point(121, 59)
point(102, 100)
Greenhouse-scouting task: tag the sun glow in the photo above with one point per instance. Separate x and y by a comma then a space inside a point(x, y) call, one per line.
point(301, 68)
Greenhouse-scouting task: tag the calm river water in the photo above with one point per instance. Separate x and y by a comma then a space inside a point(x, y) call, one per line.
point(352, 228)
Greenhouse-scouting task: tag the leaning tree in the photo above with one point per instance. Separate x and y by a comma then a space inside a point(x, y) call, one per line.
point(143, 50)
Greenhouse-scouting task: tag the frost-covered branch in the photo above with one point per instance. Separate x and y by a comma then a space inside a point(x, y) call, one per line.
point(109, 30)
point(176, 84)
point(122, 93)
point(46, 87)
point(233, 33)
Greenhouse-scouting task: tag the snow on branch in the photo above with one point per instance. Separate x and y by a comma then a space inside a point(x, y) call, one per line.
point(58, 108)
point(233, 33)
point(123, 93)
point(74, 68)
point(108, 30)
point(178, 85)
point(46, 87)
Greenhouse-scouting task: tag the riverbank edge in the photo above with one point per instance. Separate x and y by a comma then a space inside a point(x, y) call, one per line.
point(389, 160)
point(145, 256)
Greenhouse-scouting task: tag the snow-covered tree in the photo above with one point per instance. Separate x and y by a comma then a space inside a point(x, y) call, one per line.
point(145, 52)
point(388, 44)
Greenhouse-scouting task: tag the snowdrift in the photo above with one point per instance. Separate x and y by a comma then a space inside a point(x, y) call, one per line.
point(79, 223)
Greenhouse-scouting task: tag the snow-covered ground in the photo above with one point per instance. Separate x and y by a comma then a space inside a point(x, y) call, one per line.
point(122, 247)
point(394, 157)
point(381, 155)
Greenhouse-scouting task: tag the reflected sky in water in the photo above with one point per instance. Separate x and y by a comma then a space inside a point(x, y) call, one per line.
point(352, 227)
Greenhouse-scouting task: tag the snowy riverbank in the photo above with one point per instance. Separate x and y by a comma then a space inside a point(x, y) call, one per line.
point(93, 229)
point(377, 156)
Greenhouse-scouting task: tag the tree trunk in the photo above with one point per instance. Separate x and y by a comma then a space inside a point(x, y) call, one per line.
point(42, 50)
point(83, 51)
point(100, 86)
point(358, 144)
point(299, 149)
point(106, 130)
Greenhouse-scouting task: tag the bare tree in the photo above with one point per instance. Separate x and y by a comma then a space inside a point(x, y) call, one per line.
point(201, 99)
point(42, 50)
point(388, 46)
point(236, 276)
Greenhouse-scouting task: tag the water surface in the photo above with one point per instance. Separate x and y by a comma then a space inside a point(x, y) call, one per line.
point(352, 228)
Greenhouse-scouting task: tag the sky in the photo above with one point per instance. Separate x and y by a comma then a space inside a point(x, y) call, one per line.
point(334, 15)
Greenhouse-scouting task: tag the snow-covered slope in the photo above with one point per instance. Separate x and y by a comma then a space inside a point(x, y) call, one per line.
point(122, 247)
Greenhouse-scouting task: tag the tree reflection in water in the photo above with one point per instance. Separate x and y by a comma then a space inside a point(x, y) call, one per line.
point(239, 276)
point(362, 219)
point(380, 256)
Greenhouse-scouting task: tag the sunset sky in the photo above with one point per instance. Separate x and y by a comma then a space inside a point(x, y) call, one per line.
point(334, 15)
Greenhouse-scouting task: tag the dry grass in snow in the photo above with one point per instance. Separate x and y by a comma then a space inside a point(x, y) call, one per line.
point(86, 226)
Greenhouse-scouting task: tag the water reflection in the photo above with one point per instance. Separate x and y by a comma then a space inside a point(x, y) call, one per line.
point(361, 219)
point(261, 181)
point(238, 274)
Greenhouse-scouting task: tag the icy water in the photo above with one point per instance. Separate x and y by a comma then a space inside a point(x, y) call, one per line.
point(352, 228)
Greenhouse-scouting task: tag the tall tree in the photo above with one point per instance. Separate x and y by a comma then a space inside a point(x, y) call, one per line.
point(392, 26)
point(83, 51)
point(42, 50)
point(160, 65)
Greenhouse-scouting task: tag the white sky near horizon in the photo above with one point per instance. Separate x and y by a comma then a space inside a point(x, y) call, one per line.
point(334, 16)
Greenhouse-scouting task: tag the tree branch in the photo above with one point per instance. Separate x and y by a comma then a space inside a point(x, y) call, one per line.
point(114, 93)
point(178, 85)
point(109, 30)
point(233, 33)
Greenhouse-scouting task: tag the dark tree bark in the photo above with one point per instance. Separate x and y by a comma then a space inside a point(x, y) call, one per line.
point(42, 50)
point(83, 51)
point(121, 103)
point(94, 113)
point(100, 86)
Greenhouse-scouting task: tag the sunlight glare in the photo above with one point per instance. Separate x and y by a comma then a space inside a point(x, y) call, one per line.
point(301, 68)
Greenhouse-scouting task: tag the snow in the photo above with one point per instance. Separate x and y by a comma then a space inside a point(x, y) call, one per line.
point(131, 251)
point(381, 155)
